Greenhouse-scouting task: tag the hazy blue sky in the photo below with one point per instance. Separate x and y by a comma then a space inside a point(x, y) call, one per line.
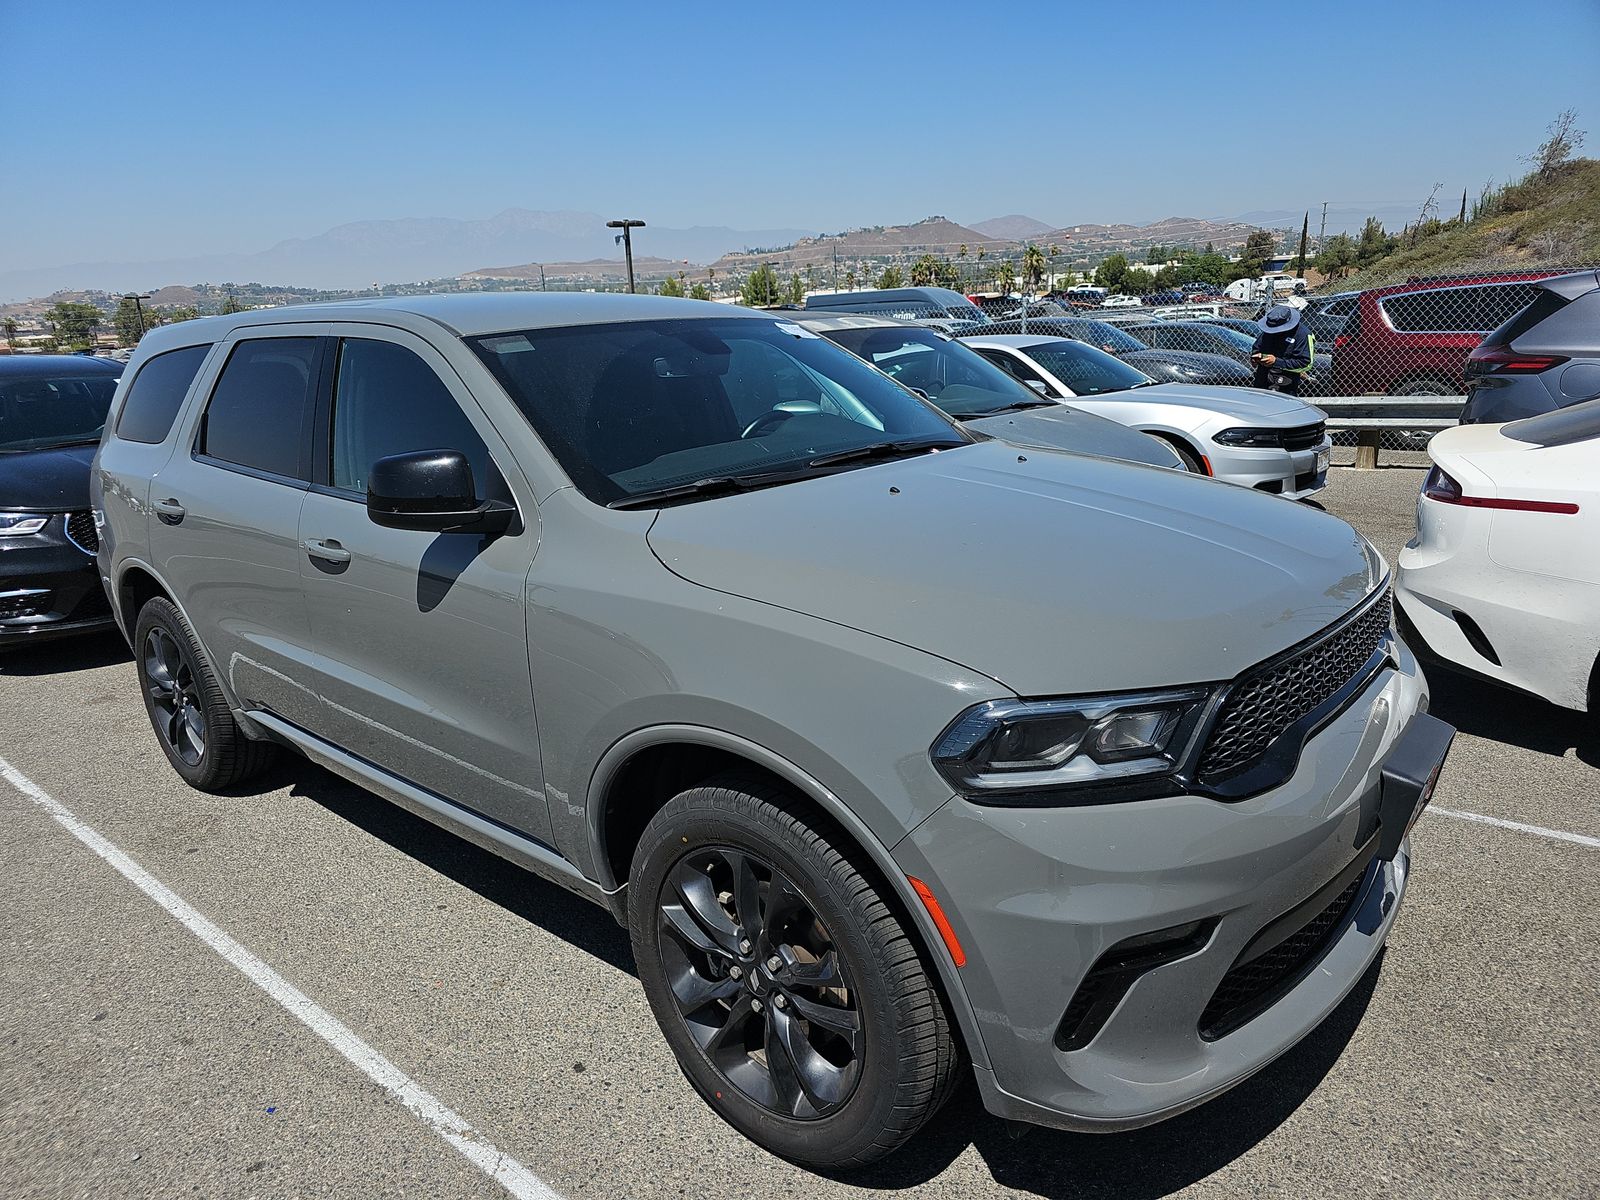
point(135, 131)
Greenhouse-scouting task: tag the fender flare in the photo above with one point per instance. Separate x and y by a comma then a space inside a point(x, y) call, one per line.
point(816, 792)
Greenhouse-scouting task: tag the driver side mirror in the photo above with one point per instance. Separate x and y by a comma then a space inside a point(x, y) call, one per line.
point(1039, 386)
point(432, 491)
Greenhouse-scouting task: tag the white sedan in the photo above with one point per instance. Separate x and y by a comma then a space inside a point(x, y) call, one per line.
point(1264, 440)
point(1121, 302)
point(1503, 576)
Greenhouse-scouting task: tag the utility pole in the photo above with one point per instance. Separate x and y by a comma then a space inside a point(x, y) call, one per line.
point(627, 227)
point(1322, 233)
point(138, 299)
point(541, 277)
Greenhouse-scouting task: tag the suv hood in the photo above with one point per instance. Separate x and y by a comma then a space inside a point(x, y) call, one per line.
point(1059, 575)
point(45, 480)
point(1062, 428)
point(1249, 404)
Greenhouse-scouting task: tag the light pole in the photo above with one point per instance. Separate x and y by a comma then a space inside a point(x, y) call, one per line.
point(627, 227)
point(138, 299)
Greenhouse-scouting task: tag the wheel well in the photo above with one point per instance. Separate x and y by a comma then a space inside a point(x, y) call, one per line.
point(137, 588)
point(642, 786)
point(1425, 376)
point(1182, 443)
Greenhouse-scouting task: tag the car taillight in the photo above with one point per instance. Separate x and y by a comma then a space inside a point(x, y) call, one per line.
point(1341, 340)
point(1502, 360)
point(1440, 487)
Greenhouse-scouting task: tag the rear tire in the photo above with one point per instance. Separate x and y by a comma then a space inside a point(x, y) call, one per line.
point(794, 999)
point(187, 709)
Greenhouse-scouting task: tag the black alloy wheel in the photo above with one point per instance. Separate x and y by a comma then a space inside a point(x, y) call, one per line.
point(758, 981)
point(175, 704)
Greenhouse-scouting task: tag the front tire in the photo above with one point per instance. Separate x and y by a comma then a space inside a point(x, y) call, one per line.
point(793, 997)
point(187, 709)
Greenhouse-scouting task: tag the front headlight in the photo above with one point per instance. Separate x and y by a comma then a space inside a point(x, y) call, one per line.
point(21, 524)
point(1240, 436)
point(1005, 749)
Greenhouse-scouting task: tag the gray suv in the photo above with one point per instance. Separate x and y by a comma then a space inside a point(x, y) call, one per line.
point(899, 752)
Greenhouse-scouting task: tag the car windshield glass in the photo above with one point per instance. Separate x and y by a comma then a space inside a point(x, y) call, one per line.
point(53, 411)
point(1085, 370)
point(1232, 336)
point(956, 378)
point(642, 406)
point(1105, 335)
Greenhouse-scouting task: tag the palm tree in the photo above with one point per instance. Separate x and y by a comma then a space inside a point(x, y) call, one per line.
point(1032, 266)
point(1005, 276)
point(850, 280)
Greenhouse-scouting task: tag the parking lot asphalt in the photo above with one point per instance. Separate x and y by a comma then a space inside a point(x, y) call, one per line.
point(137, 1061)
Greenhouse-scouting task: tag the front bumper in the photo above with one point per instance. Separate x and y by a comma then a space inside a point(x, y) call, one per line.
point(1294, 474)
point(49, 587)
point(1037, 896)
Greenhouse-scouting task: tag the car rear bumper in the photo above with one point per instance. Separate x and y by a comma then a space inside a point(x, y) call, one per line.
point(1038, 896)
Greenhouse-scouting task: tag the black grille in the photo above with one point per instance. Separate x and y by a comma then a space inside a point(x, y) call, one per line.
point(80, 528)
point(24, 605)
point(1304, 437)
point(1249, 988)
point(1265, 702)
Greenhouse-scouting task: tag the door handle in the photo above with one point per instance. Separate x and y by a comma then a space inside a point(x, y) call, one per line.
point(326, 549)
point(169, 510)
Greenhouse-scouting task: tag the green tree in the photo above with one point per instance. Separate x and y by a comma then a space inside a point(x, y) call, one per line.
point(1258, 247)
point(850, 280)
point(1305, 228)
point(699, 292)
point(1374, 243)
point(1032, 267)
point(72, 324)
point(796, 292)
point(130, 323)
point(891, 277)
point(924, 271)
point(230, 305)
point(8, 326)
point(1005, 276)
point(172, 316)
point(1557, 148)
point(1110, 273)
point(1210, 269)
point(1337, 257)
point(760, 287)
point(670, 286)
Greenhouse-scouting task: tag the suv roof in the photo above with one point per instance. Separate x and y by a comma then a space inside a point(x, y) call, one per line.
point(1467, 280)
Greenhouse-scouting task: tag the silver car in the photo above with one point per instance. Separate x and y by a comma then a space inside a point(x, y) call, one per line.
point(900, 754)
point(1262, 440)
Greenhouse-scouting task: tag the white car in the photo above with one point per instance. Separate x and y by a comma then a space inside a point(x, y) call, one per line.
point(1263, 440)
point(1503, 576)
point(1121, 302)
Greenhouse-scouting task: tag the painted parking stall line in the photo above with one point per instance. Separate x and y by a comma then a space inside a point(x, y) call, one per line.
point(1556, 835)
point(444, 1121)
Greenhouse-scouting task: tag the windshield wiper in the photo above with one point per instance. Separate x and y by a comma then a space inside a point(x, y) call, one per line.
point(714, 485)
point(884, 450)
point(1016, 407)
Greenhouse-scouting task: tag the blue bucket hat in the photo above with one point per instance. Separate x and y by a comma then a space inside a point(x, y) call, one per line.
point(1280, 318)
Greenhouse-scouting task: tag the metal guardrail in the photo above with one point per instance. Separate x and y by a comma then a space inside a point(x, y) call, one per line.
point(1369, 416)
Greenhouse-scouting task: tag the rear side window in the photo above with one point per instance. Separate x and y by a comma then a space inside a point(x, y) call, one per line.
point(261, 406)
point(157, 393)
point(1546, 304)
point(388, 401)
point(1475, 309)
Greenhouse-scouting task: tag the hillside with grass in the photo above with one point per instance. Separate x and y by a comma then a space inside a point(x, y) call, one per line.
point(1550, 218)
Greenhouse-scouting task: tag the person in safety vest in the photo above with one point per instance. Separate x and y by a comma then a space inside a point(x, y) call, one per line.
point(1283, 350)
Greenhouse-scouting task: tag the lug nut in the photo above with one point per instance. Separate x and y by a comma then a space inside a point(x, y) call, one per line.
point(779, 1001)
point(774, 963)
point(736, 972)
point(755, 1006)
point(744, 946)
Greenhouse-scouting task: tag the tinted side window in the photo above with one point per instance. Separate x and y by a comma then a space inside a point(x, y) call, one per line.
point(261, 406)
point(1494, 306)
point(157, 393)
point(387, 401)
point(1426, 312)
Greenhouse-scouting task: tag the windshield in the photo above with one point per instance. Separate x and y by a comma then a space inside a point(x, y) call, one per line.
point(53, 411)
point(960, 381)
point(637, 407)
point(1233, 337)
point(1085, 370)
point(1106, 336)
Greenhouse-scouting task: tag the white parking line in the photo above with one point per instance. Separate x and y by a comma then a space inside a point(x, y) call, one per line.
point(444, 1121)
point(1558, 835)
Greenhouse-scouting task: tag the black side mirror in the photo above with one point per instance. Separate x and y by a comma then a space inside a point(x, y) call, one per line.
point(432, 491)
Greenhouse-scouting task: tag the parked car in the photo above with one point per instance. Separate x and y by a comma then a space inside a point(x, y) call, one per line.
point(1412, 339)
point(909, 303)
point(969, 388)
point(1120, 301)
point(855, 719)
point(1164, 296)
point(1208, 337)
point(1503, 576)
point(1165, 366)
point(52, 407)
point(1546, 357)
point(1259, 439)
point(1326, 315)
